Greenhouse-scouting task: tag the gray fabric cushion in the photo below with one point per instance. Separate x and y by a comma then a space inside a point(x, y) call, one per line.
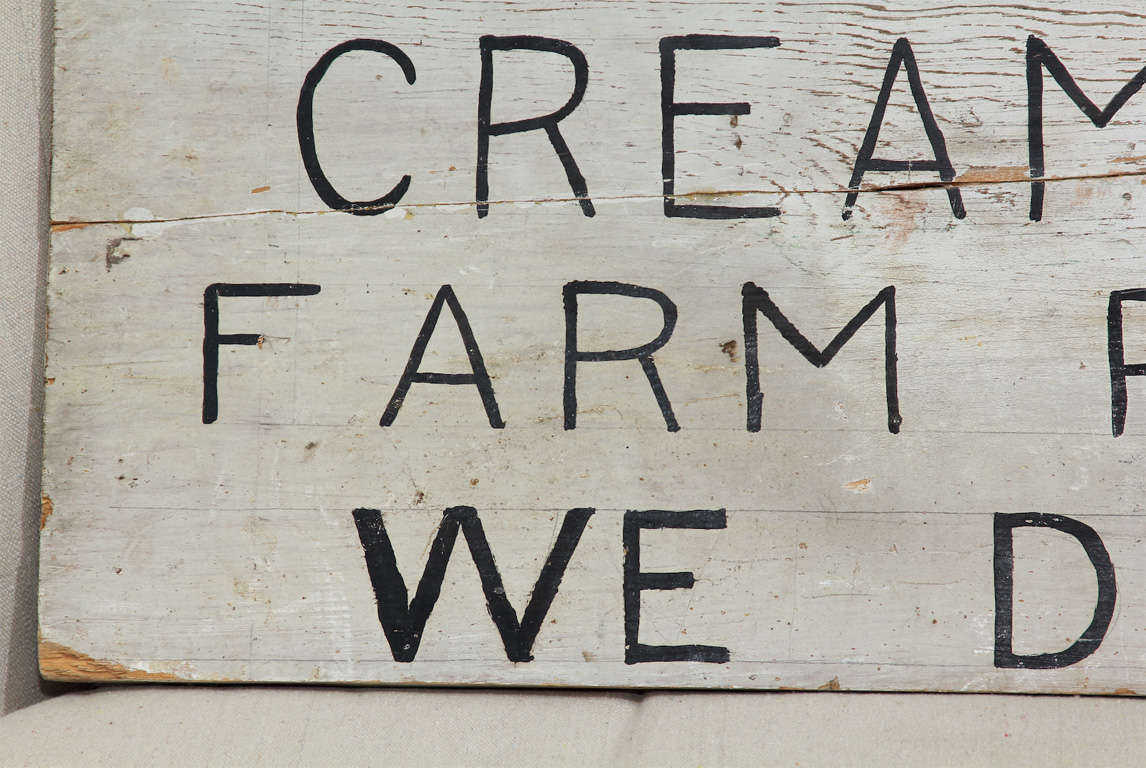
point(25, 29)
point(345, 727)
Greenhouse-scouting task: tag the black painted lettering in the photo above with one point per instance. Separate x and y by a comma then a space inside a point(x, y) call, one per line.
point(757, 300)
point(547, 123)
point(212, 339)
point(478, 376)
point(1005, 589)
point(1119, 368)
point(305, 120)
point(637, 581)
point(902, 55)
point(404, 622)
point(671, 109)
point(643, 353)
point(1039, 55)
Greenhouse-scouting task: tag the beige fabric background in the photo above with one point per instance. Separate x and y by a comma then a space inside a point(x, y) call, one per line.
point(307, 726)
point(25, 109)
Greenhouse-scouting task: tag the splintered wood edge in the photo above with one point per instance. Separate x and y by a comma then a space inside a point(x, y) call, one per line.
point(61, 663)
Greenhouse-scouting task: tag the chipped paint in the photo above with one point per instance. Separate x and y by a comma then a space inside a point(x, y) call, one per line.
point(46, 510)
point(59, 662)
point(994, 174)
point(67, 226)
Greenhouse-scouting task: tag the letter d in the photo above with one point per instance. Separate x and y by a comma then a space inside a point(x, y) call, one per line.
point(1005, 591)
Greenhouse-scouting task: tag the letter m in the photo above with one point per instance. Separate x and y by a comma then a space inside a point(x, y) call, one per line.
point(1039, 55)
point(757, 300)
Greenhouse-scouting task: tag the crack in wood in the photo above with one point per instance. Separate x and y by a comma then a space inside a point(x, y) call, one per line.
point(972, 178)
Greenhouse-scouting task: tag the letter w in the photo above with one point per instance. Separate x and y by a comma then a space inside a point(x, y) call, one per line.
point(403, 623)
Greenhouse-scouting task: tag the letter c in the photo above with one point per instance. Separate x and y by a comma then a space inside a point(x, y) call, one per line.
point(305, 120)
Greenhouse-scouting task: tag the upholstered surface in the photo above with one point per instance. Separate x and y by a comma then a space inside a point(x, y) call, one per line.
point(345, 727)
point(25, 109)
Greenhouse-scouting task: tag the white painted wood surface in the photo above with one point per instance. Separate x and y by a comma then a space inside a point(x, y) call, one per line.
point(853, 558)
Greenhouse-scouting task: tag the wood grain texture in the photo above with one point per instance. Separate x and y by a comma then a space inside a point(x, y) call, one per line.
point(852, 558)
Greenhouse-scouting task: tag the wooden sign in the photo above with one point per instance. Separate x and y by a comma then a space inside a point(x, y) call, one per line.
point(702, 344)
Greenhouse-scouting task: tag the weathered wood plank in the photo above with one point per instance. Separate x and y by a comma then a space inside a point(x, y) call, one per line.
point(848, 556)
point(813, 98)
